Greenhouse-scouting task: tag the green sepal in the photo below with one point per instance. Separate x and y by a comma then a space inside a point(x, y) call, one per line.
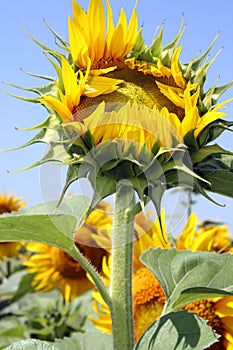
point(103, 186)
point(139, 46)
point(211, 97)
point(43, 136)
point(56, 153)
point(194, 71)
point(52, 122)
point(169, 49)
point(55, 54)
point(34, 75)
point(62, 41)
point(155, 50)
point(212, 131)
point(59, 73)
point(72, 175)
point(47, 89)
point(218, 171)
point(197, 188)
point(208, 134)
point(208, 151)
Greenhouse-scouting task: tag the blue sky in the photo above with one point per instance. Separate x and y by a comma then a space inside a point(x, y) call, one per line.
point(203, 19)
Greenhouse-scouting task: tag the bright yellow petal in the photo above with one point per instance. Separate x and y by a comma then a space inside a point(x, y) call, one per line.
point(132, 32)
point(190, 121)
point(69, 78)
point(204, 242)
point(185, 240)
point(101, 85)
point(110, 30)
point(118, 39)
point(81, 21)
point(96, 17)
point(62, 110)
point(224, 306)
point(78, 45)
point(176, 70)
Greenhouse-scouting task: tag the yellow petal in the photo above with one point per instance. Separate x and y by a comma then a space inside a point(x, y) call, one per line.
point(101, 85)
point(176, 70)
point(96, 17)
point(110, 30)
point(78, 45)
point(132, 32)
point(57, 105)
point(118, 39)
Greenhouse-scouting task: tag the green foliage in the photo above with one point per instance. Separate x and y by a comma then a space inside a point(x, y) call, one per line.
point(11, 330)
point(187, 276)
point(45, 223)
point(217, 169)
point(85, 341)
point(177, 331)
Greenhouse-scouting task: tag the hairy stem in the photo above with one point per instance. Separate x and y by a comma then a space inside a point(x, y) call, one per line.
point(121, 276)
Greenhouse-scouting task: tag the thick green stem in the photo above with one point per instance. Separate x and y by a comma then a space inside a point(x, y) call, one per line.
point(121, 283)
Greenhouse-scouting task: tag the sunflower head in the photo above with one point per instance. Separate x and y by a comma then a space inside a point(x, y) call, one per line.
point(121, 110)
point(54, 268)
point(9, 203)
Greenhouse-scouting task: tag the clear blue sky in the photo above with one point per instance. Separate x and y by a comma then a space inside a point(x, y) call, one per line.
point(204, 19)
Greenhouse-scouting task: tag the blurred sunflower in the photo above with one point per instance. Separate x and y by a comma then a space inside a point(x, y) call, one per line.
point(148, 296)
point(54, 268)
point(8, 204)
point(209, 236)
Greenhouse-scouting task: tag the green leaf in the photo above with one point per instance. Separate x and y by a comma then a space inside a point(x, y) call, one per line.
point(25, 286)
point(186, 276)
point(11, 330)
point(45, 222)
point(31, 344)
point(85, 341)
point(79, 341)
point(178, 331)
point(10, 286)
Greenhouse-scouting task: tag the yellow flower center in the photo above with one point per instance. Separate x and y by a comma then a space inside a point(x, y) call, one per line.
point(146, 288)
point(206, 309)
point(136, 87)
point(148, 300)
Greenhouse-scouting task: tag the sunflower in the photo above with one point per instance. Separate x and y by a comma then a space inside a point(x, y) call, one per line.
point(210, 236)
point(54, 268)
point(119, 68)
point(148, 296)
point(8, 204)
